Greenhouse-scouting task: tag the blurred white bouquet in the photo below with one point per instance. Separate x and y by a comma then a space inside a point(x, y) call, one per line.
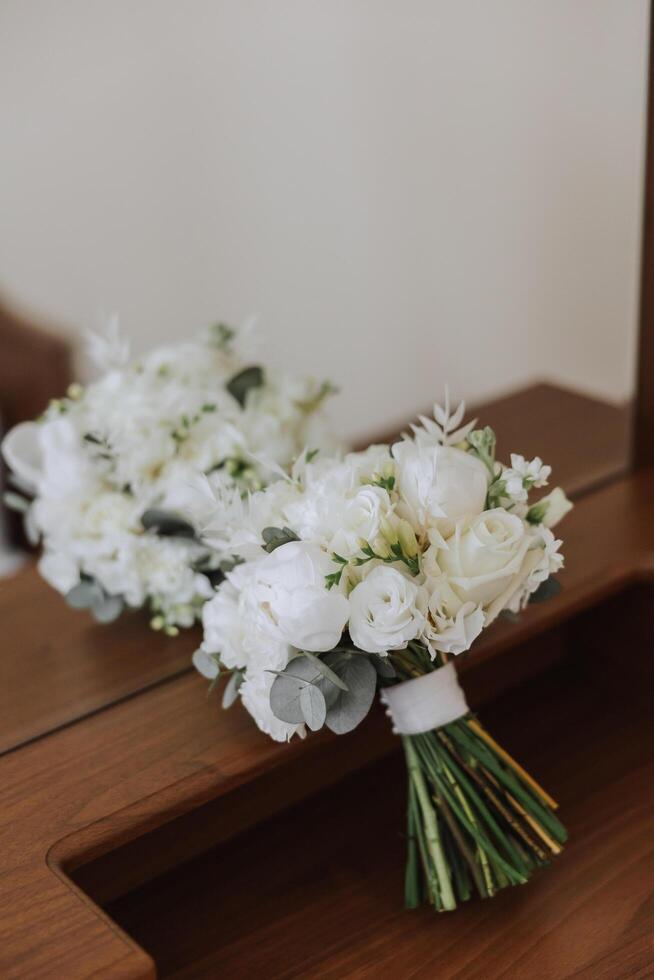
point(374, 571)
point(105, 474)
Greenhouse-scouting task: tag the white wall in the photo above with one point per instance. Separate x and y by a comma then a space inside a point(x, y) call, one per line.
point(407, 191)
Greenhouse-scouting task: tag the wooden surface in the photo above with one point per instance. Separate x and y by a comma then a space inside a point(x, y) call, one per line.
point(90, 788)
point(315, 893)
point(57, 665)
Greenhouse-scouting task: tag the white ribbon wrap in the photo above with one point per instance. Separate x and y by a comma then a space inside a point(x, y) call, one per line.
point(425, 703)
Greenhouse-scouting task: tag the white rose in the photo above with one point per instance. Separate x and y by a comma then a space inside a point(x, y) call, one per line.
point(448, 632)
point(386, 610)
point(483, 559)
point(439, 484)
point(361, 520)
point(290, 599)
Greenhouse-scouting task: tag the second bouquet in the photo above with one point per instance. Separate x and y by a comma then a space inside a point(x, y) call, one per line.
point(375, 572)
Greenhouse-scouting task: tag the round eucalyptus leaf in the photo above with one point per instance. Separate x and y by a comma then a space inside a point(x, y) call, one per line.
point(231, 688)
point(352, 706)
point(84, 595)
point(287, 687)
point(313, 706)
point(108, 608)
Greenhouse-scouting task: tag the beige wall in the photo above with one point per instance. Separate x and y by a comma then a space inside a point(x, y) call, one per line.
point(407, 191)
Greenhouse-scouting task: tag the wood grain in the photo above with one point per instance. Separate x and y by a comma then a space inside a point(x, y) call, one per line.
point(93, 787)
point(316, 892)
point(58, 666)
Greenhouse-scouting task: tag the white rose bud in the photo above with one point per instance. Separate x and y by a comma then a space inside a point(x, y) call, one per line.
point(553, 507)
point(386, 611)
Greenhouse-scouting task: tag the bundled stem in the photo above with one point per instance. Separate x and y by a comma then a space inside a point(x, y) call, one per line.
point(477, 822)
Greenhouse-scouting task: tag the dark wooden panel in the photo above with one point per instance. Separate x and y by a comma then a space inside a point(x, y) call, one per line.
point(124, 772)
point(57, 665)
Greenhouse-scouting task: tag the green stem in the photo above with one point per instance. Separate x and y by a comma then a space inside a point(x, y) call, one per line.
point(430, 824)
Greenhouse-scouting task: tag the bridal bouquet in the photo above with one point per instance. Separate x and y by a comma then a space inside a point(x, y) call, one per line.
point(375, 572)
point(104, 475)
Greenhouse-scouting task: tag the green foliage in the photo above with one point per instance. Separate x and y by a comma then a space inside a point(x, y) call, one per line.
point(536, 513)
point(221, 336)
point(275, 537)
point(166, 523)
point(245, 381)
point(232, 688)
point(546, 590)
point(88, 594)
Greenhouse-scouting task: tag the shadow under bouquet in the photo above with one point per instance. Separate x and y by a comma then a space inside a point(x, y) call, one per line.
point(374, 572)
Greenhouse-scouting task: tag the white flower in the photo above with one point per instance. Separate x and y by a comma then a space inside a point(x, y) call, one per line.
point(554, 507)
point(522, 475)
point(483, 560)
point(452, 634)
point(290, 600)
point(438, 484)
point(236, 629)
point(361, 520)
point(386, 610)
point(107, 348)
point(59, 570)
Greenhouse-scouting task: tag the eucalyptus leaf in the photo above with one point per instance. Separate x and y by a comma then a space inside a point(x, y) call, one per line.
point(285, 692)
point(352, 706)
point(107, 609)
point(232, 686)
point(166, 523)
point(546, 590)
point(14, 501)
point(275, 537)
point(384, 667)
point(326, 671)
point(84, 595)
point(243, 382)
point(313, 706)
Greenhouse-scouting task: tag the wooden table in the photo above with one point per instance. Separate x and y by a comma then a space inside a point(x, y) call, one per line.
point(117, 772)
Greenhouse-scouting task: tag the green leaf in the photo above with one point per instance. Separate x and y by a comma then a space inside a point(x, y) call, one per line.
point(166, 523)
point(107, 609)
point(326, 670)
point(352, 706)
point(14, 501)
point(546, 590)
point(383, 666)
point(245, 381)
point(313, 706)
point(275, 537)
point(84, 595)
point(232, 686)
point(288, 685)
